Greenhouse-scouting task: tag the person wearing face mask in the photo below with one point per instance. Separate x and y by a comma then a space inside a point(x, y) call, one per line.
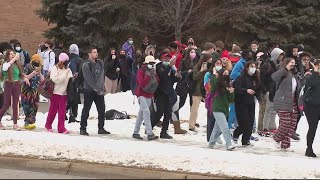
point(235, 73)
point(112, 70)
point(125, 71)
point(163, 107)
point(247, 87)
point(147, 82)
point(48, 57)
point(29, 94)
point(285, 102)
point(312, 106)
point(60, 76)
point(128, 47)
point(24, 55)
point(186, 69)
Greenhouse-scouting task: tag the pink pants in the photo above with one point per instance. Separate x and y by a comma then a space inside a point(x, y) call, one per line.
point(58, 105)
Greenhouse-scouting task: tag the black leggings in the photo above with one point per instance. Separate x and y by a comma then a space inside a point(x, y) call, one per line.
point(245, 115)
point(313, 117)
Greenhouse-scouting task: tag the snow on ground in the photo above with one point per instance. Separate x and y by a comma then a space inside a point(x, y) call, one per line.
point(183, 153)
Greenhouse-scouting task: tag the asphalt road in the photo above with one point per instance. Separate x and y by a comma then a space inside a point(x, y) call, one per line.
point(18, 174)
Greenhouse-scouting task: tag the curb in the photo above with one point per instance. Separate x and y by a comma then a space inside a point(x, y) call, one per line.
point(93, 170)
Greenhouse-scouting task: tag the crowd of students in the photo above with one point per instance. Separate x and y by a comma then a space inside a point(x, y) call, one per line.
point(229, 81)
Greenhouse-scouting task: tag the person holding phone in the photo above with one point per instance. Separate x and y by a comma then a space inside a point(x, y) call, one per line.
point(199, 71)
point(29, 94)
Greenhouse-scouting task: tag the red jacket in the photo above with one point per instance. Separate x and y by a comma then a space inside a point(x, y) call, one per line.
point(142, 81)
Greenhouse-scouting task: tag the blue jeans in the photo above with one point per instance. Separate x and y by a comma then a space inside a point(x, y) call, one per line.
point(221, 126)
point(232, 116)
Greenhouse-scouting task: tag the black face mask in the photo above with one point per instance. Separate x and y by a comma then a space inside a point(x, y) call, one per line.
point(66, 63)
point(35, 64)
point(190, 43)
point(122, 55)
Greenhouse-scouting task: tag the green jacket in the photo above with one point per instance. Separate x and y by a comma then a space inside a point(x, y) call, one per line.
point(221, 103)
point(198, 79)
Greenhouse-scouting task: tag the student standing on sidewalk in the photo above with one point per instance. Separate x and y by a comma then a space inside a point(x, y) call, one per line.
point(147, 83)
point(93, 74)
point(60, 75)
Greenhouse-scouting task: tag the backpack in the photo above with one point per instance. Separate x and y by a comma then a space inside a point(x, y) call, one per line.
point(302, 97)
point(114, 114)
point(57, 53)
point(153, 83)
point(46, 87)
point(71, 93)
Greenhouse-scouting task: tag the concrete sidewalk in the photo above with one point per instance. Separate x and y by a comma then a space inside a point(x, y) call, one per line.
point(93, 170)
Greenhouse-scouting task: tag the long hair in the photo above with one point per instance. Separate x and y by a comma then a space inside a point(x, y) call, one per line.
point(203, 58)
point(222, 83)
point(10, 70)
point(256, 75)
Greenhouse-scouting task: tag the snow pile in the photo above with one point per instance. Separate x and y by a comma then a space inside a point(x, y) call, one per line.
point(184, 153)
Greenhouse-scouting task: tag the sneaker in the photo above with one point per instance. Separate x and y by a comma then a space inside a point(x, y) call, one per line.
point(276, 144)
point(192, 129)
point(49, 130)
point(197, 125)
point(252, 138)
point(287, 150)
point(72, 119)
point(2, 127)
point(103, 131)
point(66, 132)
point(165, 135)
point(137, 136)
point(16, 127)
point(152, 137)
point(84, 133)
point(29, 126)
point(211, 146)
point(231, 147)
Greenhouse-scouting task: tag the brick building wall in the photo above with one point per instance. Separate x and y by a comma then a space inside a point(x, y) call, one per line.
point(19, 21)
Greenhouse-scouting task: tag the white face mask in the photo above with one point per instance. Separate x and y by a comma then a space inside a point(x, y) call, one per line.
point(18, 48)
point(130, 42)
point(254, 50)
point(150, 66)
point(218, 68)
point(252, 71)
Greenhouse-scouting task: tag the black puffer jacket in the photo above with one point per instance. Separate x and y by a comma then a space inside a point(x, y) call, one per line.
point(312, 97)
point(110, 68)
point(242, 84)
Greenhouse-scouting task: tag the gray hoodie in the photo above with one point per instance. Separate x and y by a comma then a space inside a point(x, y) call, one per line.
point(275, 55)
point(93, 75)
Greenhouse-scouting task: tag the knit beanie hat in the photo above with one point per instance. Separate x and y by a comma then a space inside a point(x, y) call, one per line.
point(225, 54)
point(74, 49)
point(63, 57)
point(36, 58)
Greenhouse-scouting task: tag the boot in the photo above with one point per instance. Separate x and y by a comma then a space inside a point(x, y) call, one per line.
point(165, 135)
point(310, 153)
point(72, 119)
point(177, 128)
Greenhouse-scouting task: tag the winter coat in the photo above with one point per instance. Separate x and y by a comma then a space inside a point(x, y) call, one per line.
point(283, 99)
point(236, 71)
point(75, 65)
point(142, 80)
point(167, 78)
point(183, 85)
point(178, 60)
point(198, 77)
point(129, 49)
point(241, 85)
point(111, 68)
point(312, 97)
